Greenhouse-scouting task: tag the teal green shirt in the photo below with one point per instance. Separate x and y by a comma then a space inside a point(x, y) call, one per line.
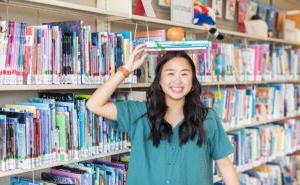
point(170, 164)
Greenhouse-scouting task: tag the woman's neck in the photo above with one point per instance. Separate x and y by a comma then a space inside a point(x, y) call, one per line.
point(174, 112)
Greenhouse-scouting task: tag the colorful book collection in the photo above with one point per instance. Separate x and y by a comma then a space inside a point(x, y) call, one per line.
point(70, 53)
point(263, 175)
point(273, 16)
point(254, 143)
point(54, 127)
point(87, 173)
point(253, 62)
point(243, 105)
point(60, 53)
point(284, 170)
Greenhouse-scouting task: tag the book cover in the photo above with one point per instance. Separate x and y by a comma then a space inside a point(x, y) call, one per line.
point(280, 20)
point(182, 11)
point(252, 7)
point(271, 17)
point(230, 10)
point(217, 6)
point(262, 11)
point(242, 9)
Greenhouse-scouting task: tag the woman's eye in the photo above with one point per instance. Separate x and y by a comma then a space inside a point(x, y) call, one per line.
point(184, 74)
point(170, 74)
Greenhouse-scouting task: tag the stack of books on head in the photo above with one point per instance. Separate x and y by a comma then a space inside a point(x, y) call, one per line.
point(177, 45)
point(65, 52)
point(54, 127)
point(87, 173)
point(238, 106)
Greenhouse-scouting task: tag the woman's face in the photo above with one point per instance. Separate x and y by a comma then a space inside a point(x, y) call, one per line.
point(176, 79)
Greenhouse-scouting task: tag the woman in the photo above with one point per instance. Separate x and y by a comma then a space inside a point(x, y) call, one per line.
point(174, 136)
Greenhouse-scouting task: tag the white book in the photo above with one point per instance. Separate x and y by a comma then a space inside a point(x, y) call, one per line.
point(182, 11)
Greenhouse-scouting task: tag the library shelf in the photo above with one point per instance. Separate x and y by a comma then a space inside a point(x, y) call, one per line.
point(66, 87)
point(247, 82)
point(53, 164)
point(128, 16)
point(126, 85)
point(261, 161)
point(261, 122)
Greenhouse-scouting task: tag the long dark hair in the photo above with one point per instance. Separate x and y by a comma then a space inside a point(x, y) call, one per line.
point(194, 110)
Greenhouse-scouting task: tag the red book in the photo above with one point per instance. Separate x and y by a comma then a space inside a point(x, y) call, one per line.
point(139, 8)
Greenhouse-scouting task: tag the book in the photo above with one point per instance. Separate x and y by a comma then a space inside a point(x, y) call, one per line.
point(252, 7)
point(242, 7)
point(177, 45)
point(230, 10)
point(217, 6)
point(182, 11)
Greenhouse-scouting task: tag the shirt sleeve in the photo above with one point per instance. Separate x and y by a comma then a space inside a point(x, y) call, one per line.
point(128, 112)
point(219, 143)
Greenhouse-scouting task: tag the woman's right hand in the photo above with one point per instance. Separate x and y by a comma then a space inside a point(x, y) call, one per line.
point(136, 58)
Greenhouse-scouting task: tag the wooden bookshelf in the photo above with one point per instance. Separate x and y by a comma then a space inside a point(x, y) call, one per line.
point(259, 162)
point(53, 164)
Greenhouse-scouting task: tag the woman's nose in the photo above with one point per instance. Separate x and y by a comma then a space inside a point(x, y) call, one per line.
point(177, 78)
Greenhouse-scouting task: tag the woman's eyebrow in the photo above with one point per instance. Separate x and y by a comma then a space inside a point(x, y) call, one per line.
point(186, 70)
point(170, 69)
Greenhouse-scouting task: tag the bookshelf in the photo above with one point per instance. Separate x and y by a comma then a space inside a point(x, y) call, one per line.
point(261, 161)
point(257, 123)
point(5, 88)
point(128, 16)
point(123, 14)
point(53, 164)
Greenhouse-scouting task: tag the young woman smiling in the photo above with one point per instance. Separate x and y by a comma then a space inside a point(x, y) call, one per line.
point(174, 137)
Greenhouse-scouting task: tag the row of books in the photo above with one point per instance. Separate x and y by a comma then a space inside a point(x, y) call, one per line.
point(54, 127)
point(255, 143)
point(285, 170)
point(246, 9)
point(253, 62)
point(282, 171)
point(87, 173)
point(252, 144)
point(242, 105)
point(70, 53)
point(60, 53)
